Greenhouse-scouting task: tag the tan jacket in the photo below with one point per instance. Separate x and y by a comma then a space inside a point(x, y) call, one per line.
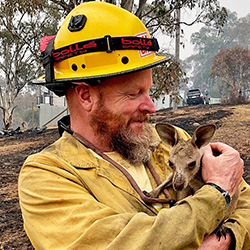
point(72, 199)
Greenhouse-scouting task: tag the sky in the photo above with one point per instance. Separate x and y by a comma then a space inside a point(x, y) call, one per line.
point(241, 7)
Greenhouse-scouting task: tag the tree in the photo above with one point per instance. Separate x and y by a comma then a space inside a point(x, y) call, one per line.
point(232, 67)
point(207, 44)
point(22, 24)
point(239, 32)
point(167, 78)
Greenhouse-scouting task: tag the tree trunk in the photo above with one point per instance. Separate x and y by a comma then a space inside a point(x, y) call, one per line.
point(140, 8)
point(7, 116)
point(127, 4)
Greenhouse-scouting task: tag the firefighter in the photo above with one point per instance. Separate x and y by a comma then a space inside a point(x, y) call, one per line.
point(85, 191)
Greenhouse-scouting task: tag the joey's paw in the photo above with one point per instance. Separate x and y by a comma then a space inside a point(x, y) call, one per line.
point(152, 194)
point(147, 193)
point(221, 231)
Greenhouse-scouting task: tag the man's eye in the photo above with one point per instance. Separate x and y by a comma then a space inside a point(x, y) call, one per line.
point(134, 95)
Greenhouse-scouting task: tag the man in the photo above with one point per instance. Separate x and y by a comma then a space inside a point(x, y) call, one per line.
point(86, 190)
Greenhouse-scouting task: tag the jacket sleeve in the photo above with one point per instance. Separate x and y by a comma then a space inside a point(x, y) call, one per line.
point(239, 223)
point(59, 213)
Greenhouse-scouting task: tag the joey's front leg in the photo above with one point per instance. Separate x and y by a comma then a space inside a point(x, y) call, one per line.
point(155, 192)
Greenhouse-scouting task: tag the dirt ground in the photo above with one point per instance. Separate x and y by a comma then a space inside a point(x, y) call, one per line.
point(233, 128)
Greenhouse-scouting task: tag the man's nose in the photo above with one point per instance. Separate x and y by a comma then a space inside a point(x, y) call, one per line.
point(147, 105)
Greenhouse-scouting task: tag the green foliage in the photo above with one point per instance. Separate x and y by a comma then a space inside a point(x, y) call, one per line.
point(167, 78)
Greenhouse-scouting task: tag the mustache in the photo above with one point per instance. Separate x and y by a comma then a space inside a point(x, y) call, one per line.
point(140, 118)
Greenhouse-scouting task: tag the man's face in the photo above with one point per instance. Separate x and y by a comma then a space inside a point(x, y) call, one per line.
point(121, 114)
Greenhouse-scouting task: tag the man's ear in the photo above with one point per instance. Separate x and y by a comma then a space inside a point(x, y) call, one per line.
point(84, 97)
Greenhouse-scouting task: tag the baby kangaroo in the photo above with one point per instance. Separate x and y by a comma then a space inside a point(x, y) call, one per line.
point(185, 161)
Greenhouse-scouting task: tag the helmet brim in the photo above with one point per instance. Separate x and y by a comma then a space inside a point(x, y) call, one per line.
point(41, 80)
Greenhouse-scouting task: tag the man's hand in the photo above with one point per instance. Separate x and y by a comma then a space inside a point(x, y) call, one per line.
point(223, 166)
point(211, 242)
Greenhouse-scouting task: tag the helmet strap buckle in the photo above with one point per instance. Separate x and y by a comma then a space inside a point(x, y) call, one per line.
point(108, 37)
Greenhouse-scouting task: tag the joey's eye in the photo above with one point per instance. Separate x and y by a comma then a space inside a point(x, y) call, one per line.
point(170, 163)
point(192, 164)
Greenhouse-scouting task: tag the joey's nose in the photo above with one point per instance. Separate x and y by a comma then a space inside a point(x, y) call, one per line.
point(178, 182)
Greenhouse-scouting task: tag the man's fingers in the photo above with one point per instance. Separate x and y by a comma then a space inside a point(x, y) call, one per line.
point(221, 148)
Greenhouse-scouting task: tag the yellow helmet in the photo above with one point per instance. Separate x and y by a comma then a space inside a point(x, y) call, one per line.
point(97, 40)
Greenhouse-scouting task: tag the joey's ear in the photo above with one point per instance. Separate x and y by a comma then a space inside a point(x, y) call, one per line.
point(203, 135)
point(167, 133)
point(84, 96)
